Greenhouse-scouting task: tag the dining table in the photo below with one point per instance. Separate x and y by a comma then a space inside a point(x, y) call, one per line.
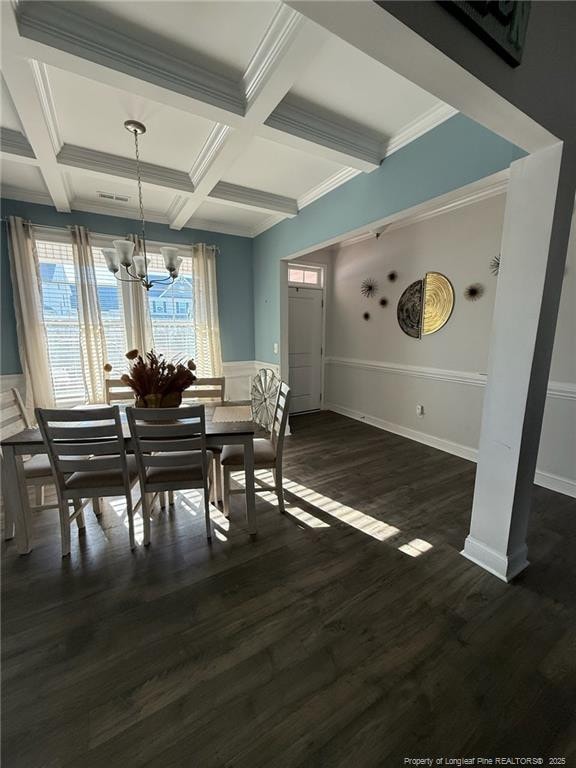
point(29, 442)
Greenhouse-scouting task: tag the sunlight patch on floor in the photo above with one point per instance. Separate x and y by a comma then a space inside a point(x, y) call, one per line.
point(416, 547)
point(193, 501)
point(367, 524)
point(118, 504)
point(300, 515)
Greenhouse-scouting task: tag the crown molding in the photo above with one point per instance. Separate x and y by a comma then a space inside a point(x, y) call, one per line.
point(327, 186)
point(277, 38)
point(418, 127)
point(10, 192)
point(98, 36)
point(73, 156)
point(268, 223)
point(216, 226)
point(15, 143)
point(209, 152)
point(303, 119)
point(42, 82)
point(254, 198)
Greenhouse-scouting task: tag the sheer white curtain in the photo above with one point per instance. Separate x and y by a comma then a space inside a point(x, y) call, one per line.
point(32, 342)
point(92, 335)
point(207, 324)
point(137, 319)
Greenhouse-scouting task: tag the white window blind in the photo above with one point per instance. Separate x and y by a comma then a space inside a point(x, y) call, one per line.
point(60, 311)
point(172, 309)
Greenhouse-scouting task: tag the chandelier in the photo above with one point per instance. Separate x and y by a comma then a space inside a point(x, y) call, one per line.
point(128, 261)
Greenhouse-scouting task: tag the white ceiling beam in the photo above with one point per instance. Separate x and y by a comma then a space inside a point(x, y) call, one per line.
point(105, 164)
point(30, 102)
point(306, 127)
point(245, 197)
point(287, 48)
point(89, 31)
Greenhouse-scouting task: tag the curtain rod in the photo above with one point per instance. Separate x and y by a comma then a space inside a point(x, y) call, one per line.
point(107, 234)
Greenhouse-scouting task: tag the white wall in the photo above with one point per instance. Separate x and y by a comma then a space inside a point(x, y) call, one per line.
point(377, 373)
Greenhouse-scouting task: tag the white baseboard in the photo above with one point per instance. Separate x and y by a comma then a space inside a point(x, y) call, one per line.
point(545, 479)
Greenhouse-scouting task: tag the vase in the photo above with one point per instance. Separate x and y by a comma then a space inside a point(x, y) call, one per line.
point(171, 400)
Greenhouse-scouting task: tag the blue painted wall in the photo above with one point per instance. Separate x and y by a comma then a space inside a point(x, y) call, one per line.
point(455, 153)
point(234, 274)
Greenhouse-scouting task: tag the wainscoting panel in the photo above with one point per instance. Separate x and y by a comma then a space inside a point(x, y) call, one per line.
point(386, 395)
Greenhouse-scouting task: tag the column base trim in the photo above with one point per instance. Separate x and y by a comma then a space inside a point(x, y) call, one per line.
point(504, 567)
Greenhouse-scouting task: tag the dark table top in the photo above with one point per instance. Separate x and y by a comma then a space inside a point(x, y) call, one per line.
point(31, 437)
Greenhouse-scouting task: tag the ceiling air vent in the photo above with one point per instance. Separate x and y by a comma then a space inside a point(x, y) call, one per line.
point(113, 196)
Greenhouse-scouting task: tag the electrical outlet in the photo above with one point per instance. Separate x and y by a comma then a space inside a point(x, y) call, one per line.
point(419, 410)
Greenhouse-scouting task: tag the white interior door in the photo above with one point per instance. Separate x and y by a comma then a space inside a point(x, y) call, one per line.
point(305, 348)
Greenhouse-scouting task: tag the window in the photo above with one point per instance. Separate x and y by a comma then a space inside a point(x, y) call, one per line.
point(60, 310)
point(308, 276)
point(112, 313)
point(172, 309)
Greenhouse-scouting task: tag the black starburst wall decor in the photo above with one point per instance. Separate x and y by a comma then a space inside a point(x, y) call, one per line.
point(369, 287)
point(366, 315)
point(474, 292)
point(383, 301)
point(495, 265)
point(393, 276)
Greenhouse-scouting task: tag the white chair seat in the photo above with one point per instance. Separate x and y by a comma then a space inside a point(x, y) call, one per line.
point(264, 454)
point(192, 472)
point(38, 466)
point(104, 479)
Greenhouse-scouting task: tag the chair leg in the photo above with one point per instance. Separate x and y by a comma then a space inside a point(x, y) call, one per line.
point(39, 495)
point(217, 479)
point(226, 491)
point(162, 497)
point(207, 511)
point(130, 513)
point(80, 516)
point(171, 498)
point(146, 517)
point(64, 509)
point(96, 507)
point(279, 489)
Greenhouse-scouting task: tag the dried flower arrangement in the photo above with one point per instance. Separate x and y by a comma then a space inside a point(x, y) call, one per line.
point(156, 382)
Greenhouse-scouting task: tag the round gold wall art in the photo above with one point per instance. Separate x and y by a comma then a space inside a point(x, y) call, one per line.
point(426, 305)
point(438, 302)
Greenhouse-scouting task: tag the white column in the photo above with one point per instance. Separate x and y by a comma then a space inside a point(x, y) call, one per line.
point(539, 207)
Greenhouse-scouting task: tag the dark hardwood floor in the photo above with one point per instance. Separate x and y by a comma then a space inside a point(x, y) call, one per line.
point(322, 644)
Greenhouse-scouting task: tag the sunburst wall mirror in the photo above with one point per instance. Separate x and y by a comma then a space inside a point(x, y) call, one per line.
point(426, 305)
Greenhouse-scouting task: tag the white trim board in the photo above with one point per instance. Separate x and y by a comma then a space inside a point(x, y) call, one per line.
point(558, 389)
point(545, 479)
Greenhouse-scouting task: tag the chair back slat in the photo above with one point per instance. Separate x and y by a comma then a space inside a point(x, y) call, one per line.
point(116, 390)
point(88, 440)
point(82, 432)
point(169, 446)
point(67, 466)
point(213, 388)
point(160, 434)
point(280, 419)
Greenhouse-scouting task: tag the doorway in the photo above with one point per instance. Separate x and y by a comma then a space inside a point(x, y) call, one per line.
point(305, 336)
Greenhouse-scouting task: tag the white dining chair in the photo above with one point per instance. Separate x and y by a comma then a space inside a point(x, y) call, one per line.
point(36, 470)
point(170, 449)
point(268, 452)
point(88, 460)
point(212, 389)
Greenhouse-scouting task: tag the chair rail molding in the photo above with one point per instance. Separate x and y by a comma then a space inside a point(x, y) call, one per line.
point(557, 389)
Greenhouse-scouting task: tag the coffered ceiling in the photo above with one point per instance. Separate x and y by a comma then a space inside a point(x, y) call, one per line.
point(252, 111)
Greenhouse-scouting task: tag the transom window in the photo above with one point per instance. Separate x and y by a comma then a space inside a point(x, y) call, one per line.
point(311, 277)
